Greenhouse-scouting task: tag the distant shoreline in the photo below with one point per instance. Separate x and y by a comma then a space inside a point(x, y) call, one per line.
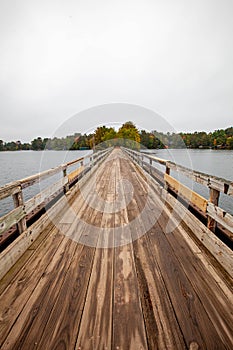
point(218, 139)
point(142, 150)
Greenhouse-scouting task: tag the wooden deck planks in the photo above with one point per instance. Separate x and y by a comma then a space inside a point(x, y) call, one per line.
point(31, 323)
point(188, 280)
point(163, 331)
point(213, 299)
point(151, 293)
point(38, 323)
point(96, 325)
point(64, 322)
point(128, 321)
point(15, 296)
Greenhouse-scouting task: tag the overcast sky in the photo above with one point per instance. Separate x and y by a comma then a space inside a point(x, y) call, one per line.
point(61, 57)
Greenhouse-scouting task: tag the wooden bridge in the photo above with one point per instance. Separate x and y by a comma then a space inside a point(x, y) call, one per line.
point(116, 254)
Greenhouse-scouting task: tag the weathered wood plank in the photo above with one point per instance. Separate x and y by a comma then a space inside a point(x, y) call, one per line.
point(153, 158)
point(44, 195)
point(18, 202)
point(157, 160)
point(64, 320)
point(207, 238)
point(10, 189)
point(216, 300)
point(162, 328)
point(13, 299)
point(31, 322)
point(189, 311)
point(75, 173)
point(128, 323)
point(12, 218)
point(39, 327)
point(219, 215)
point(63, 323)
point(152, 294)
point(13, 252)
point(30, 327)
point(68, 308)
point(213, 299)
point(192, 317)
point(216, 247)
point(222, 185)
point(214, 198)
point(96, 324)
point(75, 161)
point(190, 195)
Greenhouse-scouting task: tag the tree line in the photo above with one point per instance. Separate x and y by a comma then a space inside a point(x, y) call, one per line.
point(127, 135)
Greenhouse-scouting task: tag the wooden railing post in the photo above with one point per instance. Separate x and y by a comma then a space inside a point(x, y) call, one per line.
point(167, 171)
point(81, 165)
point(18, 201)
point(214, 198)
point(142, 160)
point(150, 166)
point(66, 187)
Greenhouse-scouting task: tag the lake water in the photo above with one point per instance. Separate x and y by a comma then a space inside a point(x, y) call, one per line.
point(17, 165)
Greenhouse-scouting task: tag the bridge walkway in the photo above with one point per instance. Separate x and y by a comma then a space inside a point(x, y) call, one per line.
point(114, 272)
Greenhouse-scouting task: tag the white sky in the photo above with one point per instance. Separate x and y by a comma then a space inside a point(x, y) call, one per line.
point(59, 58)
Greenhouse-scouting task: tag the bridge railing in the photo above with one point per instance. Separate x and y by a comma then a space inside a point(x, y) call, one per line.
point(216, 185)
point(17, 220)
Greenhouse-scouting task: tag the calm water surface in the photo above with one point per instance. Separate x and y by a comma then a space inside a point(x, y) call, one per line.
point(17, 165)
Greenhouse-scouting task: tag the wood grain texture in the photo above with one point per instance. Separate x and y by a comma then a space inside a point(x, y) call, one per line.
point(223, 218)
point(15, 296)
point(163, 331)
point(101, 276)
point(128, 323)
point(75, 173)
point(64, 321)
point(190, 195)
point(214, 300)
point(96, 324)
point(31, 323)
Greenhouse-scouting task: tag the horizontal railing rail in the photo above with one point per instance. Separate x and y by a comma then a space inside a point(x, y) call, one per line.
point(70, 173)
point(216, 185)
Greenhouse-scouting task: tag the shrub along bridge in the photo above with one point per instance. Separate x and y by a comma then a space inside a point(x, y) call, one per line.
point(116, 254)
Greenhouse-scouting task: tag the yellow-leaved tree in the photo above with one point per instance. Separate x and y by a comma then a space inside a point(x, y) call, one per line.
point(130, 135)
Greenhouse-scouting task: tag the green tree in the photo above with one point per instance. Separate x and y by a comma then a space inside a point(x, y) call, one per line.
point(229, 142)
point(37, 144)
point(1, 145)
point(26, 146)
point(99, 134)
point(130, 134)
point(11, 146)
point(109, 137)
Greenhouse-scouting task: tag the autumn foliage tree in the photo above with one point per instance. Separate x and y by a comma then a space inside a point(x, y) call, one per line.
point(130, 135)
